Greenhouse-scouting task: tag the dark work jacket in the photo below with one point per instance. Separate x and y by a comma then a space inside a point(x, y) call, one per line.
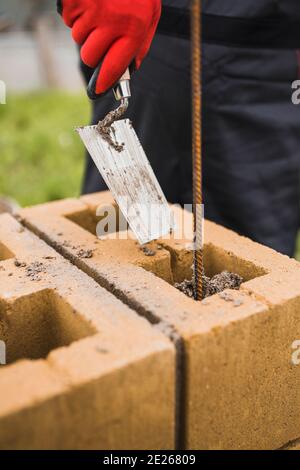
point(252, 8)
point(249, 23)
point(245, 8)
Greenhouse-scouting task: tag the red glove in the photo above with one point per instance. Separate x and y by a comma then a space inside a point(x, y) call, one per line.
point(117, 32)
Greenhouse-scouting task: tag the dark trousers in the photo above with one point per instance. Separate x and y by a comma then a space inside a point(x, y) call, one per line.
point(251, 135)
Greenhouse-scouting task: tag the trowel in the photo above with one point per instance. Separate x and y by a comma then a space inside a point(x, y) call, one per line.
point(122, 162)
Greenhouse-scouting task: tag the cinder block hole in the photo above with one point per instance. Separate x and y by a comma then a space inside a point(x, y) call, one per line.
point(217, 260)
point(97, 224)
point(36, 324)
point(5, 253)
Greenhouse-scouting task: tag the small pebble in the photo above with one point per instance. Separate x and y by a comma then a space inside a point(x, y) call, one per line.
point(19, 264)
point(147, 251)
point(101, 350)
point(84, 253)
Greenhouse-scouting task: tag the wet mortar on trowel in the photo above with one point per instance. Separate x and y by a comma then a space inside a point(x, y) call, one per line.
point(107, 131)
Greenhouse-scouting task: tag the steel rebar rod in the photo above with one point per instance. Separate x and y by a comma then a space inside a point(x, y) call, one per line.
point(197, 146)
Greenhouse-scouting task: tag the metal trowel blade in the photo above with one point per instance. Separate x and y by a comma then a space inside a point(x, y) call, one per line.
point(131, 180)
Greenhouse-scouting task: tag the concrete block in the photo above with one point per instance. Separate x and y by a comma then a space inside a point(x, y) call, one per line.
point(237, 387)
point(73, 227)
point(83, 371)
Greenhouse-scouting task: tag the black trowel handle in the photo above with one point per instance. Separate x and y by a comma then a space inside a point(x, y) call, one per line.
point(121, 89)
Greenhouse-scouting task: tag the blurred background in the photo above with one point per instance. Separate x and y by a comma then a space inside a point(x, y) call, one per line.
point(41, 156)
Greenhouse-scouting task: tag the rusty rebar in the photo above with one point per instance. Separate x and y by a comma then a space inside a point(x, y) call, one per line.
point(197, 146)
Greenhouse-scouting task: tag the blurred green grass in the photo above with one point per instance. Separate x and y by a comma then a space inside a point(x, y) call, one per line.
point(41, 157)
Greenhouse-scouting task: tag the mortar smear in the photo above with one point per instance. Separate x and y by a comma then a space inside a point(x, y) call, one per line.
point(106, 129)
point(213, 285)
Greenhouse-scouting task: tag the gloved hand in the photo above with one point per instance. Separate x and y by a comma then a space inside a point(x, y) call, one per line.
point(117, 32)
